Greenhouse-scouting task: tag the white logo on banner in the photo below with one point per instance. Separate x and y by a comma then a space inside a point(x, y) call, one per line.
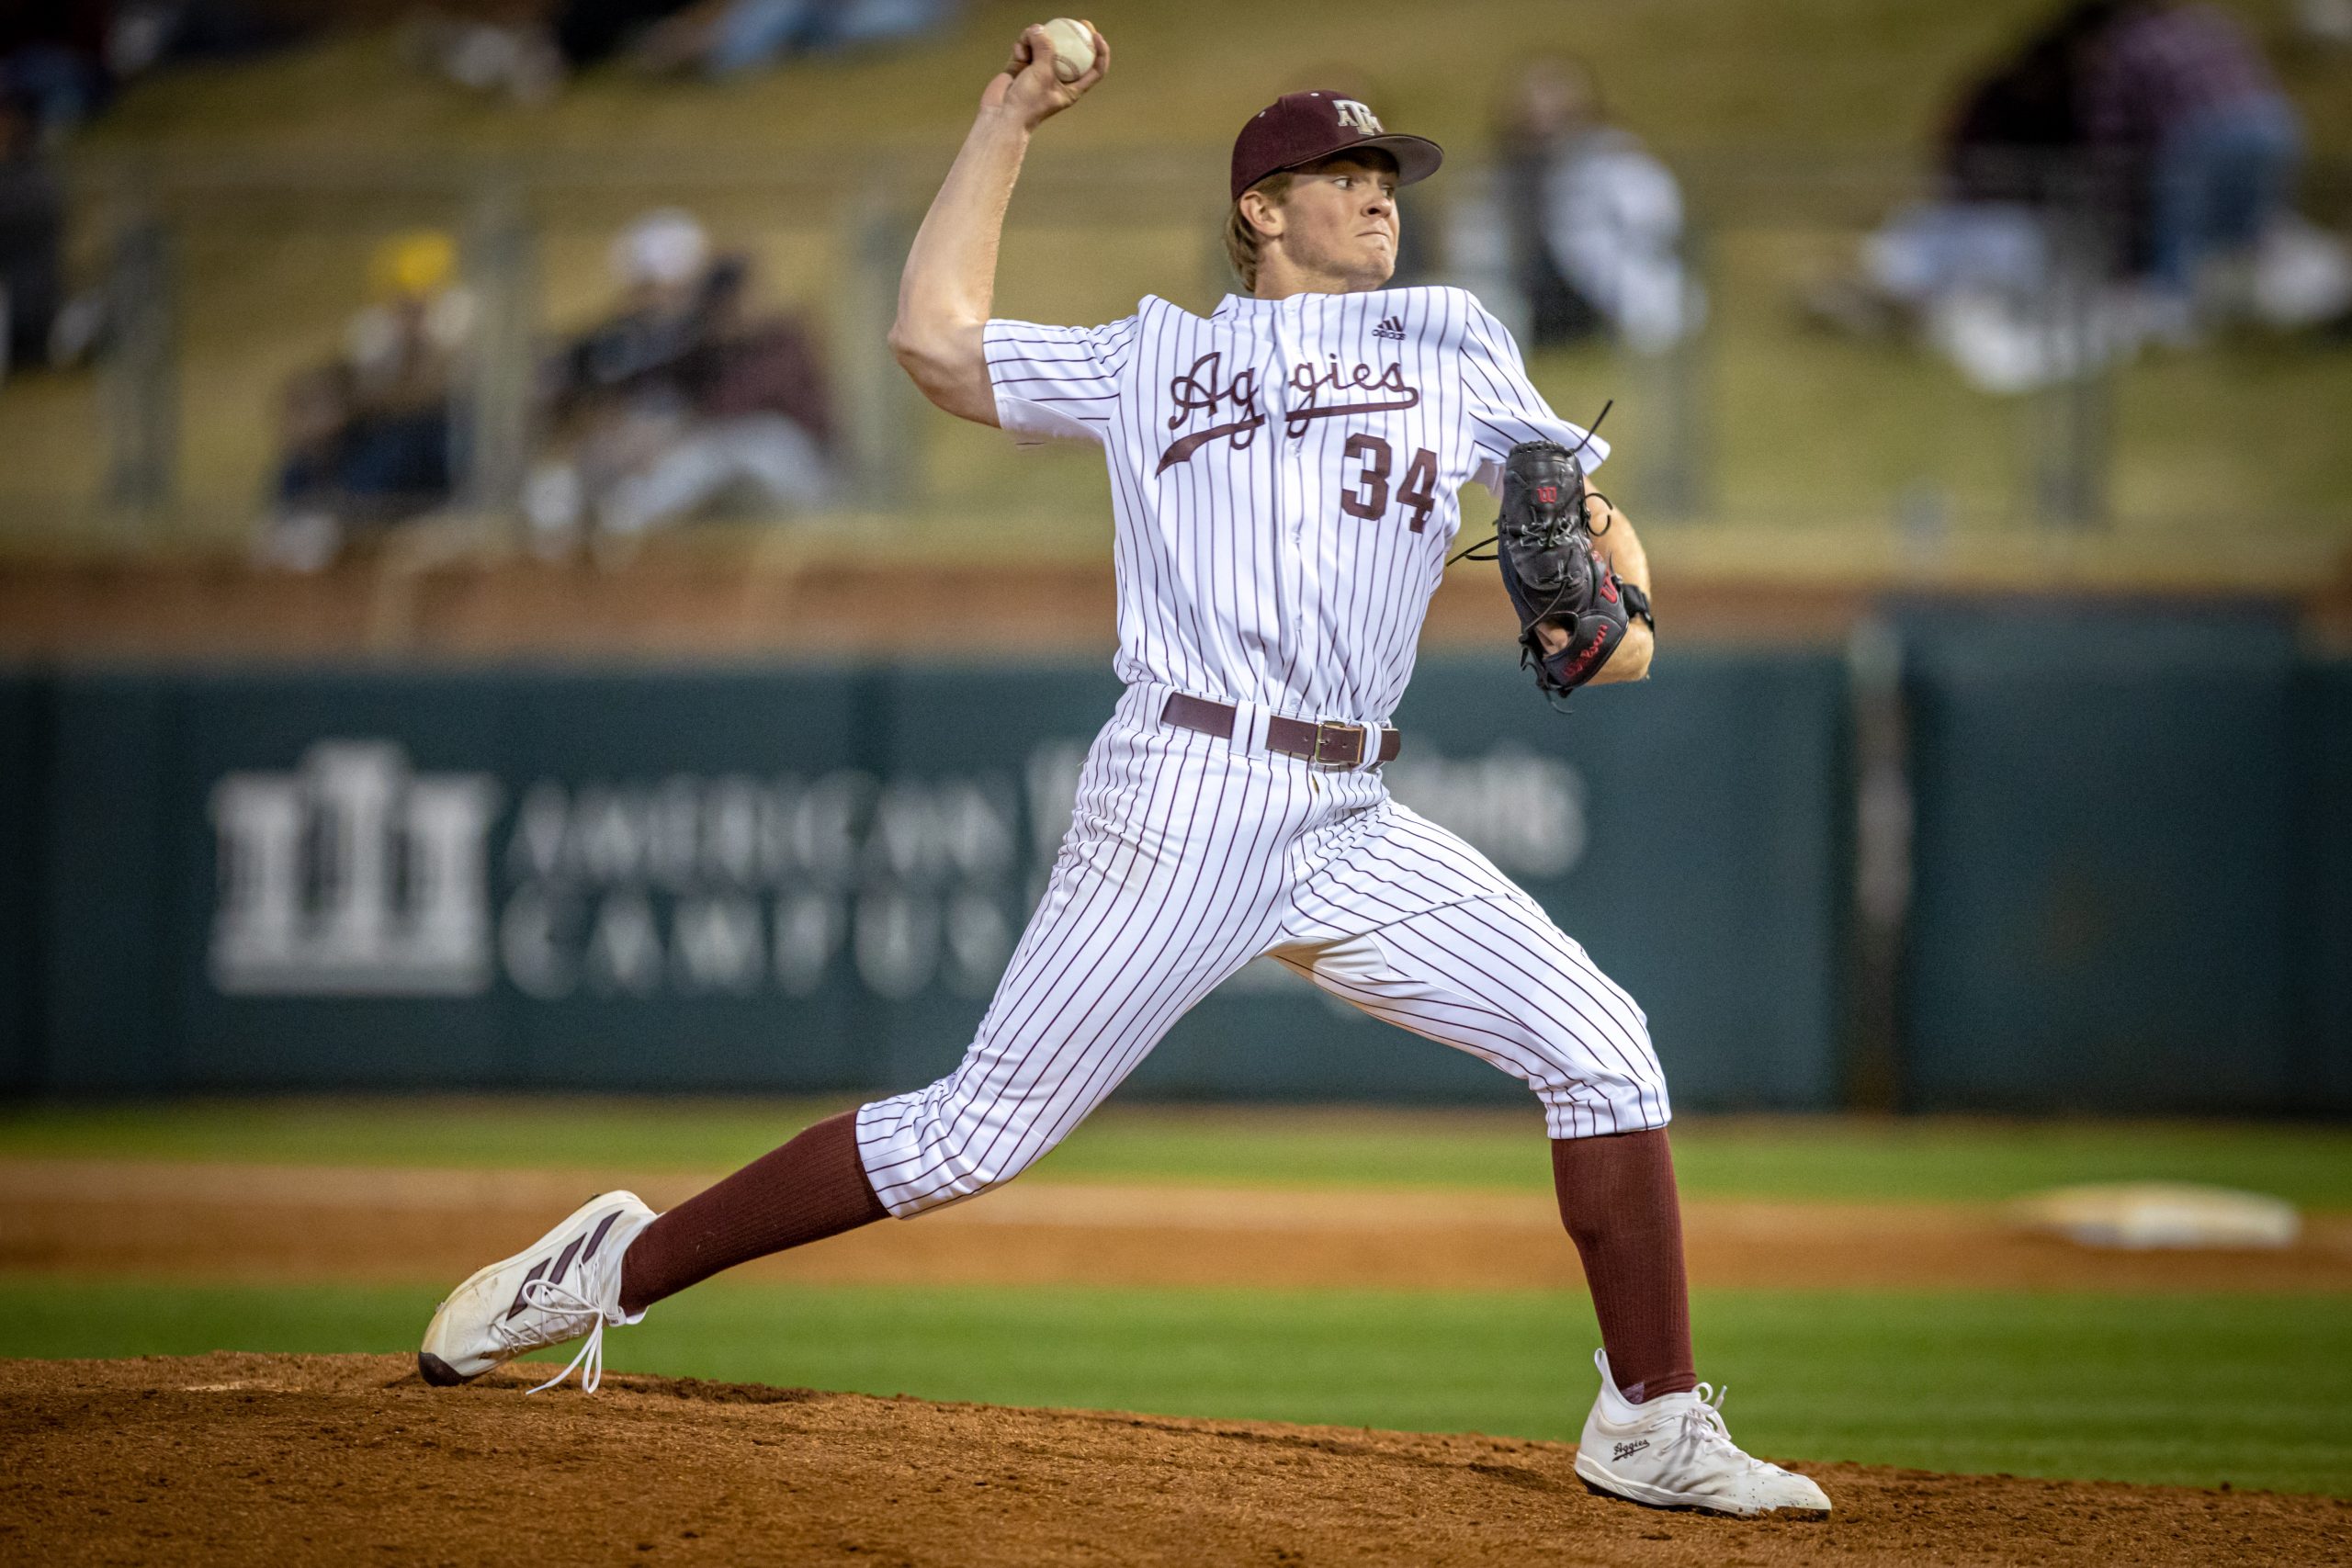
point(694, 885)
point(353, 876)
point(357, 875)
point(1524, 812)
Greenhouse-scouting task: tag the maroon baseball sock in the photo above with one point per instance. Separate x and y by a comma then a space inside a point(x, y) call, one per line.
point(813, 1187)
point(1618, 1201)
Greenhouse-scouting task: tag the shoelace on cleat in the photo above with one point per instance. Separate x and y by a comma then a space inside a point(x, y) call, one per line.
point(1702, 1427)
point(548, 1296)
point(538, 1332)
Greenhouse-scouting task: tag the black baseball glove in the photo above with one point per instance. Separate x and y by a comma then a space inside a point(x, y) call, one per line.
point(1553, 574)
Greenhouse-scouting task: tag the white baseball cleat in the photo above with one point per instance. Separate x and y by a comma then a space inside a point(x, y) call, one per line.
point(1673, 1451)
point(565, 1284)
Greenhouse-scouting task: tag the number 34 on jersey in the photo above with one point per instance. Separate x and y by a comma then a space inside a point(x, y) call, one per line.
point(1341, 425)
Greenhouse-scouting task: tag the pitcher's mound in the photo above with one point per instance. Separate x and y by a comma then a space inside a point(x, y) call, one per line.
point(339, 1460)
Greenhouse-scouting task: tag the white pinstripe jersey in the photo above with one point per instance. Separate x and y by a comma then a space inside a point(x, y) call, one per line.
point(1285, 476)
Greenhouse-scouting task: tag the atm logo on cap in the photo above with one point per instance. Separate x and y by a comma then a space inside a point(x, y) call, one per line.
point(1356, 117)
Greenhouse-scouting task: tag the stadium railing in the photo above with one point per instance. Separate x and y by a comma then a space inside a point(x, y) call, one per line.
point(1777, 423)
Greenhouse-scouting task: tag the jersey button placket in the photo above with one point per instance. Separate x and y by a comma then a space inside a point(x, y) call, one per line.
point(1290, 349)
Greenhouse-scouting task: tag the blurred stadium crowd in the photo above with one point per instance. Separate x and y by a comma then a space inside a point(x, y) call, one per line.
point(2143, 145)
point(2163, 129)
point(677, 400)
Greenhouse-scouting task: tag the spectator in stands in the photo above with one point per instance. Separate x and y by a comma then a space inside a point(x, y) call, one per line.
point(2148, 138)
point(529, 59)
point(32, 236)
point(2010, 159)
point(52, 57)
point(1597, 220)
point(2183, 92)
point(67, 57)
point(678, 402)
point(369, 438)
point(728, 37)
point(149, 34)
point(709, 37)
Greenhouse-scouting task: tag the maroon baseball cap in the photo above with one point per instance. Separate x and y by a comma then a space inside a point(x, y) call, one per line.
point(1306, 127)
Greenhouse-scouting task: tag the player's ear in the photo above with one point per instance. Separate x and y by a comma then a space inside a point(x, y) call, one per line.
point(1264, 214)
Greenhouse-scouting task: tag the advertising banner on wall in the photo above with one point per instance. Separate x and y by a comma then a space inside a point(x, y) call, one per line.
point(804, 879)
point(20, 846)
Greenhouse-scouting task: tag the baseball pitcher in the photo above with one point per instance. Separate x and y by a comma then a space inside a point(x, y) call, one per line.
point(1285, 474)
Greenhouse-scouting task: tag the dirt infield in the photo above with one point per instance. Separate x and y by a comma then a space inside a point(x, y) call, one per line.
point(433, 1226)
point(336, 1459)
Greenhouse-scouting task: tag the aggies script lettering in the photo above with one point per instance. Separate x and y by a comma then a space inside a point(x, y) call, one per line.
point(1201, 390)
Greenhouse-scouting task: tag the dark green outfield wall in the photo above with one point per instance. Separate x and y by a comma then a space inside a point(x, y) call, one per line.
point(2132, 873)
point(2110, 850)
point(809, 878)
point(2323, 1069)
point(20, 843)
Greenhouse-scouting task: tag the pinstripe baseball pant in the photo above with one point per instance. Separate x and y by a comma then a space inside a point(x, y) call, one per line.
point(1187, 857)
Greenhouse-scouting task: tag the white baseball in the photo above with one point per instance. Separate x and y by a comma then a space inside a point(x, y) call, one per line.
point(1073, 47)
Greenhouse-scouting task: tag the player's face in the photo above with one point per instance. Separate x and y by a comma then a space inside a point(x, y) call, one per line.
point(1339, 220)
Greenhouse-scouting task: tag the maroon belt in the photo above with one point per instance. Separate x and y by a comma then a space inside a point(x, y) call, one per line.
point(1325, 745)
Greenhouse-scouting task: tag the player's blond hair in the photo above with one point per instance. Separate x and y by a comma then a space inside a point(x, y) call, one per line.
point(1242, 240)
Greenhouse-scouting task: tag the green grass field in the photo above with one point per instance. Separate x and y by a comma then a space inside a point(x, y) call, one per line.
point(1828, 1159)
point(2249, 1390)
point(2189, 1390)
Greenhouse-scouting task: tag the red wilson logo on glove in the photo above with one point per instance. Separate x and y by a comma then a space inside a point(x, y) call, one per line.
point(1588, 659)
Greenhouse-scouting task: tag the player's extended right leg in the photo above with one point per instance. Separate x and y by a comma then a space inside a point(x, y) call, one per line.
point(1490, 974)
point(1673, 1451)
point(566, 1284)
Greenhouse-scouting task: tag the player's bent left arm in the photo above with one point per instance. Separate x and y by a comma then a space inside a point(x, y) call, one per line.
point(1621, 549)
